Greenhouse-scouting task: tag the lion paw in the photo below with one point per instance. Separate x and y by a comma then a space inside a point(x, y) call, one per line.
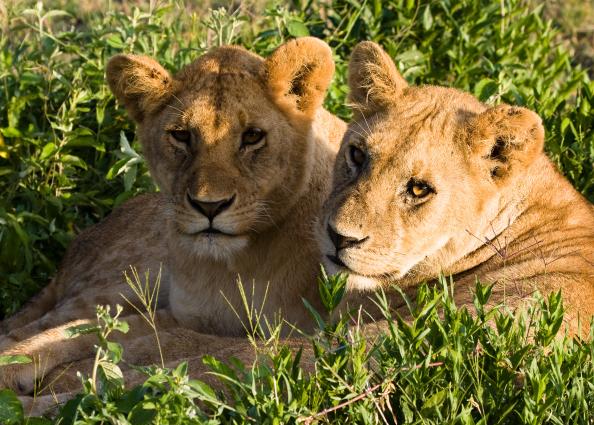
point(19, 378)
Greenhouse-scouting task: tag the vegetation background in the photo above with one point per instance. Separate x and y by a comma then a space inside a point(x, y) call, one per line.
point(68, 156)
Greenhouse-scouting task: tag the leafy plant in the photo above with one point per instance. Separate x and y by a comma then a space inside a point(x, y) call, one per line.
point(443, 364)
point(106, 375)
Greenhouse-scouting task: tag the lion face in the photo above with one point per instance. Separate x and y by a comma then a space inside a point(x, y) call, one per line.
point(419, 172)
point(227, 138)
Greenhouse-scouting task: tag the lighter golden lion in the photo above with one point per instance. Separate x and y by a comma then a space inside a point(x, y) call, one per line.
point(429, 180)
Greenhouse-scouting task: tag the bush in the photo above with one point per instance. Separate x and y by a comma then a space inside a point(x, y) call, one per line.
point(444, 365)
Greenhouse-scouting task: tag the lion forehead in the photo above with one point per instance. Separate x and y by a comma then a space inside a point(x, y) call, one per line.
point(224, 60)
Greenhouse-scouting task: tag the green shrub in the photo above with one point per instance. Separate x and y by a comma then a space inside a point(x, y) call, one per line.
point(444, 366)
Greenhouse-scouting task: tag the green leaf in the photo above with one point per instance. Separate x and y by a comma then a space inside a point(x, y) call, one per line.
point(122, 326)
point(112, 371)
point(110, 377)
point(427, 18)
point(85, 141)
point(100, 114)
point(69, 413)
point(115, 41)
point(332, 289)
point(142, 414)
point(130, 177)
point(411, 57)
point(55, 13)
point(10, 132)
point(48, 150)
point(74, 160)
point(84, 329)
point(14, 359)
point(125, 147)
point(181, 370)
point(485, 88)
point(130, 399)
point(11, 409)
point(116, 169)
point(203, 389)
point(319, 321)
point(297, 28)
point(115, 351)
point(435, 400)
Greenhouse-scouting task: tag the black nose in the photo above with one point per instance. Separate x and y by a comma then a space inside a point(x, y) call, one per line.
point(210, 209)
point(341, 241)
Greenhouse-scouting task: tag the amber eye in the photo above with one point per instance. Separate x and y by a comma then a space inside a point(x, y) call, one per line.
point(182, 136)
point(252, 136)
point(357, 156)
point(419, 189)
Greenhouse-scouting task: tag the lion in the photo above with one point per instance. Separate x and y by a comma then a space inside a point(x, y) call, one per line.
point(242, 151)
point(431, 181)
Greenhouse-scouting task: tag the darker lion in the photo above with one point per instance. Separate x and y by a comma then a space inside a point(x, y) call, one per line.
point(242, 151)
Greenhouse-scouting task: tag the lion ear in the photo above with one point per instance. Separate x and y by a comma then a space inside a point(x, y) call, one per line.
point(139, 83)
point(507, 139)
point(298, 74)
point(374, 81)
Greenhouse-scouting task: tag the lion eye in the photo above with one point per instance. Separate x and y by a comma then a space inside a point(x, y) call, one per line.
point(182, 136)
point(357, 156)
point(419, 189)
point(252, 136)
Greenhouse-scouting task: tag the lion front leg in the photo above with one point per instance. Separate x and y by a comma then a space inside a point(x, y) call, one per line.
point(54, 347)
point(46, 350)
point(47, 405)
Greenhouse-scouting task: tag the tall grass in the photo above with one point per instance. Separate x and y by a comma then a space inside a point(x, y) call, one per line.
point(445, 365)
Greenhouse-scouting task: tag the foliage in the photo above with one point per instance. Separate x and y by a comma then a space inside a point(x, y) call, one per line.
point(444, 365)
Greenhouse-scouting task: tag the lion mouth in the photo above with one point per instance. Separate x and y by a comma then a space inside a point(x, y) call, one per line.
point(334, 259)
point(213, 232)
point(337, 261)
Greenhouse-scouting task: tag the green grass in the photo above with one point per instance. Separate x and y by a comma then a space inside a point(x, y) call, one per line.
point(68, 155)
point(447, 365)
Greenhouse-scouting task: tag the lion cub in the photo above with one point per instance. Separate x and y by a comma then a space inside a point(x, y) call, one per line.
point(429, 180)
point(242, 151)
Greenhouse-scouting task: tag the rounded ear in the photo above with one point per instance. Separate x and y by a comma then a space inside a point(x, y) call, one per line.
point(139, 83)
point(508, 138)
point(374, 81)
point(298, 74)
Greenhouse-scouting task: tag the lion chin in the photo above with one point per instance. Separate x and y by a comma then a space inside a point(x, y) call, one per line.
point(355, 282)
point(215, 246)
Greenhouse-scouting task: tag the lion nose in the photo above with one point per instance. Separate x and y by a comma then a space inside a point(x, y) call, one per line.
point(210, 209)
point(342, 241)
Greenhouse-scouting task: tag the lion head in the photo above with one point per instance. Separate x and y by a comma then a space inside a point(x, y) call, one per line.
point(227, 137)
point(421, 172)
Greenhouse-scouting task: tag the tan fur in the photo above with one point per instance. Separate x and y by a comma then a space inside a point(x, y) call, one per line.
point(277, 188)
point(501, 212)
